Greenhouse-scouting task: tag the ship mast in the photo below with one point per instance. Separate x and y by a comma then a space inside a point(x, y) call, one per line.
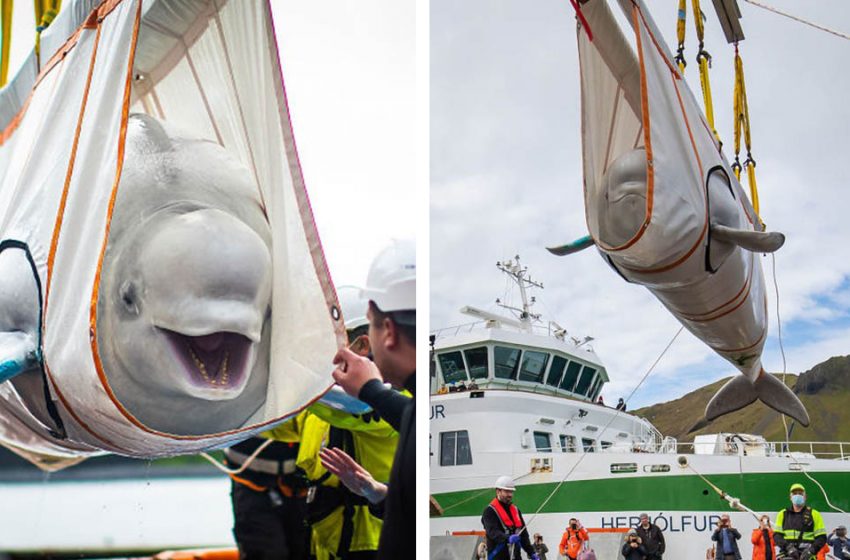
point(519, 274)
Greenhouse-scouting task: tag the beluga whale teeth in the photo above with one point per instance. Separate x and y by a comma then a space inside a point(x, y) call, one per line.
point(216, 361)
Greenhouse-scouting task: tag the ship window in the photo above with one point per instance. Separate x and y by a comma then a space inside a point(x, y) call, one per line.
point(533, 366)
point(589, 445)
point(543, 442)
point(586, 377)
point(594, 392)
point(476, 358)
point(656, 468)
point(451, 363)
point(606, 444)
point(454, 449)
point(569, 380)
point(507, 362)
point(568, 444)
point(621, 468)
point(555, 372)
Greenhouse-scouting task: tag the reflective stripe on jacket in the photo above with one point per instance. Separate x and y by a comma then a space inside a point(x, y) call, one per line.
point(812, 526)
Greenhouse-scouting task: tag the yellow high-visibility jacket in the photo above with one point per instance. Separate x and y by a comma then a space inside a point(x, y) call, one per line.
point(372, 443)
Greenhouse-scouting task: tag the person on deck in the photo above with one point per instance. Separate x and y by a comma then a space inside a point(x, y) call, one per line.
point(652, 537)
point(800, 532)
point(573, 539)
point(764, 545)
point(727, 538)
point(504, 526)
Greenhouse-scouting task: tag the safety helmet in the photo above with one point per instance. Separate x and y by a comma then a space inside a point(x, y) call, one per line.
point(391, 282)
point(353, 306)
point(797, 486)
point(505, 483)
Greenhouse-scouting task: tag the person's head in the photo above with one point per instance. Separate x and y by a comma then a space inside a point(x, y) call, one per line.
point(841, 531)
point(632, 536)
point(724, 520)
point(538, 537)
point(644, 520)
point(573, 523)
point(354, 309)
point(765, 520)
point(798, 495)
point(391, 293)
point(505, 488)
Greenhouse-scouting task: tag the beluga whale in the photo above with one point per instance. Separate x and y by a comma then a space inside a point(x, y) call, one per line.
point(663, 206)
point(183, 303)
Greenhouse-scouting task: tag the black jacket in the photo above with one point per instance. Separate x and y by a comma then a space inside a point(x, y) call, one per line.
point(653, 540)
point(718, 550)
point(497, 536)
point(630, 553)
point(398, 535)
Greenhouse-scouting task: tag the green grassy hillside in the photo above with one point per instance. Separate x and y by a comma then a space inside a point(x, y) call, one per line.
point(824, 389)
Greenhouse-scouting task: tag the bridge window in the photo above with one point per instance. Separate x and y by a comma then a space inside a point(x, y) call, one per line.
point(543, 442)
point(454, 449)
point(570, 378)
point(478, 362)
point(586, 377)
point(606, 444)
point(555, 372)
point(568, 444)
point(506, 361)
point(451, 363)
point(533, 366)
point(589, 445)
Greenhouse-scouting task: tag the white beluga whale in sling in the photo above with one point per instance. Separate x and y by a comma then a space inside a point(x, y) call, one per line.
point(183, 306)
point(663, 206)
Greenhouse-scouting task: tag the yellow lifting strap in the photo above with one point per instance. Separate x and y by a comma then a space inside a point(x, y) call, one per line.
point(704, 61)
point(5, 40)
point(742, 123)
point(45, 13)
point(680, 34)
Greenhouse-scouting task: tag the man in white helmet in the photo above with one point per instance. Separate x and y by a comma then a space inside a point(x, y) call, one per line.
point(391, 294)
point(504, 526)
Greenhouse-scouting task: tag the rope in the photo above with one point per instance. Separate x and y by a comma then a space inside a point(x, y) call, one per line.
point(734, 503)
point(614, 417)
point(244, 466)
point(784, 373)
point(798, 19)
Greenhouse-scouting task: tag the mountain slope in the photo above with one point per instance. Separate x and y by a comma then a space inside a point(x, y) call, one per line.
point(824, 389)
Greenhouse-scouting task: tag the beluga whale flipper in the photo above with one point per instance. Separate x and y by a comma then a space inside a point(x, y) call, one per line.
point(663, 206)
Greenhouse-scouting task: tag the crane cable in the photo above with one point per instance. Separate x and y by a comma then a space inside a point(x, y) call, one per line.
point(798, 19)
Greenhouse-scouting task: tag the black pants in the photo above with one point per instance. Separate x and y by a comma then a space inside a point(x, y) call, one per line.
point(266, 531)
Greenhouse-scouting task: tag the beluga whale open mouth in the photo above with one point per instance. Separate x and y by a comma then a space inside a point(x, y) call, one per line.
point(216, 364)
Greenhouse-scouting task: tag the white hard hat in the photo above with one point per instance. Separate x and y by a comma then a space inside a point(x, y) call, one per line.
point(353, 306)
point(505, 483)
point(391, 282)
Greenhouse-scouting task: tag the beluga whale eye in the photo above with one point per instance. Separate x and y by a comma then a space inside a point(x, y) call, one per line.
point(129, 297)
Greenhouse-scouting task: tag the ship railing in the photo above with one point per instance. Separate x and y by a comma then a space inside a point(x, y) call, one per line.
point(755, 448)
point(549, 329)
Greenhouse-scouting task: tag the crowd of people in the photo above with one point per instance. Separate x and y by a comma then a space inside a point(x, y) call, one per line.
point(328, 484)
point(798, 534)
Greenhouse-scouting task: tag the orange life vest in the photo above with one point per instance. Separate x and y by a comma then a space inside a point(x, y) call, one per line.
point(512, 522)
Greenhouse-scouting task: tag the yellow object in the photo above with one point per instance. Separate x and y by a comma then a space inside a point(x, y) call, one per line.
point(374, 444)
point(704, 61)
point(680, 34)
point(45, 13)
point(742, 124)
point(818, 528)
point(6, 30)
point(289, 431)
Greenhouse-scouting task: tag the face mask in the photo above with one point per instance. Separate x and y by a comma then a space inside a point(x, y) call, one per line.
point(798, 500)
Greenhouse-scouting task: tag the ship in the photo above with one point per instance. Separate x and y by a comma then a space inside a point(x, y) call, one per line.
point(512, 393)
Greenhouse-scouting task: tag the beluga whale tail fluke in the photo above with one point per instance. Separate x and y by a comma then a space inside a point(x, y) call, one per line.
point(740, 392)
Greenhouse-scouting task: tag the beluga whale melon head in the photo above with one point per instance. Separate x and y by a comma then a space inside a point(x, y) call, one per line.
point(184, 303)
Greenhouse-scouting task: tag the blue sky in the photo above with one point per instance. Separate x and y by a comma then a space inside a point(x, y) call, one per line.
point(506, 179)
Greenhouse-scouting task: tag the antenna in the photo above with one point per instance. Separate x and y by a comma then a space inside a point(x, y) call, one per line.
point(519, 274)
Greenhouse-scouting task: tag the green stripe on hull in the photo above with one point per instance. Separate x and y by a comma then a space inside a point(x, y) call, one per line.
point(758, 491)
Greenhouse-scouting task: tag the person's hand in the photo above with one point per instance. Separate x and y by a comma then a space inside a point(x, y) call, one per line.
point(355, 477)
point(353, 371)
point(513, 539)
point(807, 552)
